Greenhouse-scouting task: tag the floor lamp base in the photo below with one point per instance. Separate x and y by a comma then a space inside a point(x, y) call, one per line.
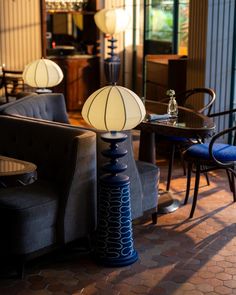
point(114, 239)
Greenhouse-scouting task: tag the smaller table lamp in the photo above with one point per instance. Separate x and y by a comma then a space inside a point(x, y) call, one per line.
point(42, 73)
point(112, 21)
point(114, 108)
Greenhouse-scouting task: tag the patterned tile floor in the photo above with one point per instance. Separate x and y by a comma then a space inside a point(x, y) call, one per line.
point(178, 256)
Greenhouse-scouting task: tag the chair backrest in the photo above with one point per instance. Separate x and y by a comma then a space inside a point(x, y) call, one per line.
point(13, 83)
point(228, 116)
point(199, 99)
point(50, 107)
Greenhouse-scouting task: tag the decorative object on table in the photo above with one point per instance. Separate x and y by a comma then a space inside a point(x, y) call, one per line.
point(41, 74)
point(172, 108)
point(114, 108)
point(112, 21)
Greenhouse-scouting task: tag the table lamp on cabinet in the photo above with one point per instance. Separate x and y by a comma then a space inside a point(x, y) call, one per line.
point(41, 74)
point(114, 108)
point(112, 21)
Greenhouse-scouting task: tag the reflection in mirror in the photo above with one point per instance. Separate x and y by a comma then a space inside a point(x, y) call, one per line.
point(66, 34)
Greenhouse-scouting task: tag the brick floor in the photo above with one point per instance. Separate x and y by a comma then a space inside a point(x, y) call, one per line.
point(178, 256)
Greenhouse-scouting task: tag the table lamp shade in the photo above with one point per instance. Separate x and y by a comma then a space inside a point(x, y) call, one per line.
point(112, 21)
point(42, 73)
point(113, 108)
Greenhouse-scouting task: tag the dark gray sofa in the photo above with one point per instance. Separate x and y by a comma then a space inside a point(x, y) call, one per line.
point(58, 208)
point(144, 176)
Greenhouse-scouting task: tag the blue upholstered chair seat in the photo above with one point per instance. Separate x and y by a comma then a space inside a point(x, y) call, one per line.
point(222, 152)
point(208, 157)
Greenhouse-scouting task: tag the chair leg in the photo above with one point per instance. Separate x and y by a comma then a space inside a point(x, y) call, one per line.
point(171, 163)
point(230, 179)
point(154, 217)
point(233, 188)
point(232, 184)
point(21, 269)
point(183, 163)
point(207, 178)
point(197, 179)
point(188, 182)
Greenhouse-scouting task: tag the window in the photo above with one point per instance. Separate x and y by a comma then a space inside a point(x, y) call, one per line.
point(166, 26)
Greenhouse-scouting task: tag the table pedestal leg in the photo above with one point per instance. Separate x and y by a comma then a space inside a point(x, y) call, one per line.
point(147, 147)
point(147, 152)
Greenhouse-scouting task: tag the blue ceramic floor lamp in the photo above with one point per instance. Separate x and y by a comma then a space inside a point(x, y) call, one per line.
point(114, 108)
point(112, 21)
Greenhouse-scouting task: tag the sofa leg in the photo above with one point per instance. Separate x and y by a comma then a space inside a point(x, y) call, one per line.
point(20, 270)
point(154, 217)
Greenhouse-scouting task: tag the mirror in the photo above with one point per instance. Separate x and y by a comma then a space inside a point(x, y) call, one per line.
point(70, 34)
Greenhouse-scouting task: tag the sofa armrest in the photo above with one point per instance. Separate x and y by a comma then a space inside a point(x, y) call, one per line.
point(66, 157)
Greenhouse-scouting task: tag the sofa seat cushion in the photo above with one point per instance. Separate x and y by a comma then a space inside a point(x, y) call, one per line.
point(149, 176)
point(30, 214)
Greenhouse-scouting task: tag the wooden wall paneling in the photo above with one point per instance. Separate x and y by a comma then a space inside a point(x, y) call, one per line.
point(219, 54)
point(210, 50)
point(197, 47)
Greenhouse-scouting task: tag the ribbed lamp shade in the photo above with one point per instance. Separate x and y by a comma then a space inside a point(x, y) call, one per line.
point(112, 21)
point(113, 108)
point(42, 73)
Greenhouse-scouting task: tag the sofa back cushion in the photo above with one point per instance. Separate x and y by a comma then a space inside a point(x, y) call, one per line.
point(50, 106)
point(50, 147)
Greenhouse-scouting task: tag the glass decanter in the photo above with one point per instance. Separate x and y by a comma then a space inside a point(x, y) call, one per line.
point(172, 108)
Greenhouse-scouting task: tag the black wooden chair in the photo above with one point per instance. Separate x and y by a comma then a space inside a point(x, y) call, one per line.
point(13, 83)
point(187, 99)
point(211, 156)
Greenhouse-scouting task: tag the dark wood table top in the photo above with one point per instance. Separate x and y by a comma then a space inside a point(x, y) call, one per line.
point(187, 124)
point(14, 171)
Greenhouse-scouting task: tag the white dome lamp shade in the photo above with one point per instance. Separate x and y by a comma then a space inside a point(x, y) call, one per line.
point(41, 74)
point(113, 108)
point(112, 21)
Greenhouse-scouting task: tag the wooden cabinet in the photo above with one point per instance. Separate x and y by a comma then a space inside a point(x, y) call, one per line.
point(164, 72)
point(81, 78)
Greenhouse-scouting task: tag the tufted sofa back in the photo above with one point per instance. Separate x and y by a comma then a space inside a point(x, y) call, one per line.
point(50, 106)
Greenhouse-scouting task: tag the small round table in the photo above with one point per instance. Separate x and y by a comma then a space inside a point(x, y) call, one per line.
point(189, 124)
point(15, 172)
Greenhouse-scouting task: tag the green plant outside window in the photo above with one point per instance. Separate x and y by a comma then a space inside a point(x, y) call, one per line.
point(161, 21)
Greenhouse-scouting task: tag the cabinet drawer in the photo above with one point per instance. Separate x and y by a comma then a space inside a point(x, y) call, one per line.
point(157, 72)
